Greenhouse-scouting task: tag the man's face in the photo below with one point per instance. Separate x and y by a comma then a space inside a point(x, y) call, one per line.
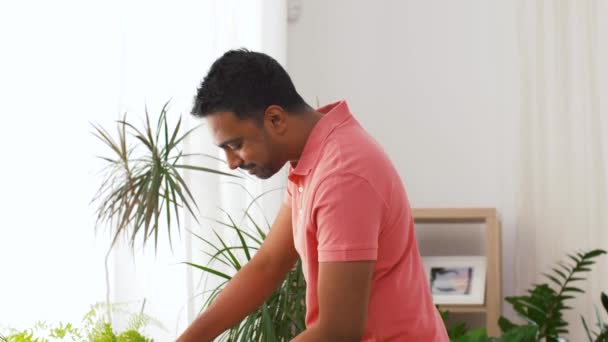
point(247, 144)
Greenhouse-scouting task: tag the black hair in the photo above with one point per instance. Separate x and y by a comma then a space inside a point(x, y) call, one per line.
point(246, 83)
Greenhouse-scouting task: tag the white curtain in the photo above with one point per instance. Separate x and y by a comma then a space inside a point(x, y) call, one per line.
point(167, 49)
point(563, 185)
point(59, 67)
point(65, 64)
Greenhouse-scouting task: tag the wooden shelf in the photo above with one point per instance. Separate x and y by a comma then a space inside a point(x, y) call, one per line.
point(464, 308)
point(489, 218)
point(452, 215)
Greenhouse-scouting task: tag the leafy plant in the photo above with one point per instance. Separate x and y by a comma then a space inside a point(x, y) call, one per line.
point(142, 185)
point(459, 333)
point(602, 335)
point(94, 328)
point(282, 315)
point(544, 306)
point(456, 330)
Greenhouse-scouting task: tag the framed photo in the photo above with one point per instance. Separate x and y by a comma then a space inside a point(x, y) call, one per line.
point(456, 279)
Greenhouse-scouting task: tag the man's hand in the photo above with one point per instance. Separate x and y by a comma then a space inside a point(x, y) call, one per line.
point(343, 292)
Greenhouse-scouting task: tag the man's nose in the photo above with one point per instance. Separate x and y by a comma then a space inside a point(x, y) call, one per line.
point(233, 160)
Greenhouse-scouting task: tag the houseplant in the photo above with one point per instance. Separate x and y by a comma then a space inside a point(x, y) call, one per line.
point(543, 307)
point(94, 327)
point(142, 186)
point(281, 316)
point(143, 189)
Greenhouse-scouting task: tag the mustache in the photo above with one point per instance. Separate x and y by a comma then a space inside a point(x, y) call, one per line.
point(247, 166)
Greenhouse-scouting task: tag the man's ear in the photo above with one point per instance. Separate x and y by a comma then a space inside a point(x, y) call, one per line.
point(275, 119)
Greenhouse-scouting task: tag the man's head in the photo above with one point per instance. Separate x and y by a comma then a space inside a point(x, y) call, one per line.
point(247, 98)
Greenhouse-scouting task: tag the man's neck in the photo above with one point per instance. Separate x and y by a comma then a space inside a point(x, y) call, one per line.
point(308, 122)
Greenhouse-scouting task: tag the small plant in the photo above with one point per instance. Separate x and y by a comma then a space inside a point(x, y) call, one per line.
point(281, 317)
point(602, 335)
point(456, 330)
point(544, 306)
point(94, 328)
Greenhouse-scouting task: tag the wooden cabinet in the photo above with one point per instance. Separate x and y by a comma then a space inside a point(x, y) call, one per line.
point(488, 217)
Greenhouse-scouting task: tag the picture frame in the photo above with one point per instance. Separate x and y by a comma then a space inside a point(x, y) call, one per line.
point(456, 279)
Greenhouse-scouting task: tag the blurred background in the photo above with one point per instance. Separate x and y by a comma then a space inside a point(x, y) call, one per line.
point(478, 103)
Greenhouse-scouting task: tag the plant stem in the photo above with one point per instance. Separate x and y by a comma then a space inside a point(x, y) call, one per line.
point(108, 285)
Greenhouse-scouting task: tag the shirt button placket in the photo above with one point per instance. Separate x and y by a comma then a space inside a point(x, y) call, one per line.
point(300, 190)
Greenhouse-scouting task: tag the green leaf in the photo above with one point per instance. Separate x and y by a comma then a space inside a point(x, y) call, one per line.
point(574, 258)
point(457, 330)
point(267, 323)
point(235, 262)
point(209, 270)
point(576, 279)
point(594, 253)
point(505, 324)
point(262, 234)
point(523, 333)
point(477, 335)
point(255, 200)
point(564, 297)
point(587, 330)
point(572, 289)
point(552, 278)
point(560, 273)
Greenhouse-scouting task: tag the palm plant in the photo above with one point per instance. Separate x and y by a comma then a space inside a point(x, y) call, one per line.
point(281, 317)
point(544, 306)
point(142, 185)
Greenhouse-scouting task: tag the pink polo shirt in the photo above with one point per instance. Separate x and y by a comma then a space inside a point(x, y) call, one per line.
point(348, 203)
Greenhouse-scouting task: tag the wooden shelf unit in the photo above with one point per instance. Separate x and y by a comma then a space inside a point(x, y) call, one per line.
point(493, 300)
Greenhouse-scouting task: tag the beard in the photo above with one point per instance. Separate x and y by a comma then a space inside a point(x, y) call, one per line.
point(262, 172)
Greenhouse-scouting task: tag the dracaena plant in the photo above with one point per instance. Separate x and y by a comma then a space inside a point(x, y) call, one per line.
point(281, 317)
point(142, 187)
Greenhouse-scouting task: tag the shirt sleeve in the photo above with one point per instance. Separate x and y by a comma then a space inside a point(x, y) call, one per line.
point(348, 214)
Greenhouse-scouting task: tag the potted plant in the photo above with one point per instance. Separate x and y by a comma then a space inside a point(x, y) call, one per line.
point(143, 189)
point(543, 307)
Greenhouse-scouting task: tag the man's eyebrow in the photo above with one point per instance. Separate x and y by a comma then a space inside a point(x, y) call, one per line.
point(228, 142)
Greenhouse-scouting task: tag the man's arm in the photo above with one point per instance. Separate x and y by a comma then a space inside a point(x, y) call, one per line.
point(251, 285)
point(343, 294)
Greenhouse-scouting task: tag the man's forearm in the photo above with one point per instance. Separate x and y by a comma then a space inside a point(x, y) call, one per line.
point(244, 293)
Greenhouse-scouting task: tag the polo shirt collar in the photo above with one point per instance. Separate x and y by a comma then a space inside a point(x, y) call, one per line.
point(334, 115)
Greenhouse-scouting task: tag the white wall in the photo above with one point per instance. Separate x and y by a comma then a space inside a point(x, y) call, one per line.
point(433, 81)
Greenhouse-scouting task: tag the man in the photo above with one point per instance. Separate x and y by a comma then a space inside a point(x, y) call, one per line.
point(345, 213)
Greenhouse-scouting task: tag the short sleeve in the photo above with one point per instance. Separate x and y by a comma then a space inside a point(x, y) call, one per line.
point(348, 214)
